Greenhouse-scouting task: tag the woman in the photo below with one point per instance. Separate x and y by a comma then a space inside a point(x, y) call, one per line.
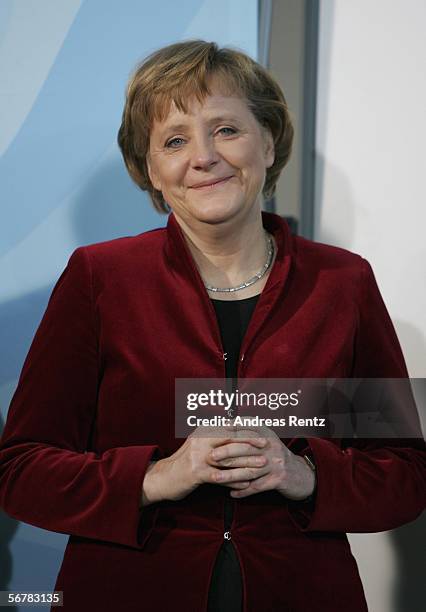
point(239, 520)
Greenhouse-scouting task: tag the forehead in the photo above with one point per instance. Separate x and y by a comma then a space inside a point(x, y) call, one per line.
point(214, 104)
point(192, 97)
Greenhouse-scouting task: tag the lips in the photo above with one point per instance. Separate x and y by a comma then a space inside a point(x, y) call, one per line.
point(211, 184)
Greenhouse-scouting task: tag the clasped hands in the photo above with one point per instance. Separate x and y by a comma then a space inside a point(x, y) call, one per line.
point(264, 463)
point(247, 461)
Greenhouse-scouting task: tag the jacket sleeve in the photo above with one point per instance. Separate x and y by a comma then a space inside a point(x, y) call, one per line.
point(367, 485)
point(48, 478)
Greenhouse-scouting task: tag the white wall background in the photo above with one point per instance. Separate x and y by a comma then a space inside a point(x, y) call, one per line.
point(371, 199)
point(371, 123)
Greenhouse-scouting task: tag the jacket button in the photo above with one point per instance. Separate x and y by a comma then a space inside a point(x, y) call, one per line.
point(227, 535)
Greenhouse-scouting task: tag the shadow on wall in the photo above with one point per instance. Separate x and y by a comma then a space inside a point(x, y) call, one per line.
point(8, 526)
point(414, 342)
point(340, 205)
point(410, 590)
point(19, 319)
point(410, 586)
point(111, 205)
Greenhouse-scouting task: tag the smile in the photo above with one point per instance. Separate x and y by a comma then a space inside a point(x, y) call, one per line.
point(212, 185)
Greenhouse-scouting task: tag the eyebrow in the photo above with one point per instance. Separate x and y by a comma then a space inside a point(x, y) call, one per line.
point(176, 127)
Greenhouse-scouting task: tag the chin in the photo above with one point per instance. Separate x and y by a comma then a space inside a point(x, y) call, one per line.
point(216, 218)
point(219, 213)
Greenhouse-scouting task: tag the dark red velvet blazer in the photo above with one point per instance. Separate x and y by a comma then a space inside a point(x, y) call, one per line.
point(95, 403)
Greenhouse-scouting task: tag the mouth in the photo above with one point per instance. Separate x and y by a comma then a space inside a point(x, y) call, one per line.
point(212, 185)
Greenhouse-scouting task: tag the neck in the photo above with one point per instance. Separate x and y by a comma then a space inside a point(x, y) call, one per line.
point(228, 254)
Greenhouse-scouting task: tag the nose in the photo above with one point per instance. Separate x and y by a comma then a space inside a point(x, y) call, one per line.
point(203, 152)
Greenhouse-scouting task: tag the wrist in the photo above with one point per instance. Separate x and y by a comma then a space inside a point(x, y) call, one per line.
point(150, 494)
point(309, 461)
point(304, 479)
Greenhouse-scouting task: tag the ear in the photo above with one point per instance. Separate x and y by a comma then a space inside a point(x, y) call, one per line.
point(269, 148)
point(153, 176)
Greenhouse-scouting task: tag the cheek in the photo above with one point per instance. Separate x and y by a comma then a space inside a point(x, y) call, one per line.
point(247, 159)
point(254, 169)
point(172, 174)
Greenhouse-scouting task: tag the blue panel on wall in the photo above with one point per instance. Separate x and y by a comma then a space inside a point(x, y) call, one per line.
point(77, 113)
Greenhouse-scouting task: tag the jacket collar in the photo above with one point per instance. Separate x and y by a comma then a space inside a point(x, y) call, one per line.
point(181, 265)
point(181, 261)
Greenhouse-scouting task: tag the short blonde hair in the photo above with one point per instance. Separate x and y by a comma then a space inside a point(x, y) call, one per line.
point(181, 70)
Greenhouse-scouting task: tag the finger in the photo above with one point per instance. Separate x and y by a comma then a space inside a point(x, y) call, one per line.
point(239, 474)
point(239, 494)
point(256, 430)
point(234, 449)
point(255, 486)
point(248, 444)
point(237, 485)
point(239, 431)
point(240, 435)
point(239, 461)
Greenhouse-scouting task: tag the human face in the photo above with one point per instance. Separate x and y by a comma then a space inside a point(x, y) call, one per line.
point(218, 139)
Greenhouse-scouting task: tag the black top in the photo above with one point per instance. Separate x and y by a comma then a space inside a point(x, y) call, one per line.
point(226, 592)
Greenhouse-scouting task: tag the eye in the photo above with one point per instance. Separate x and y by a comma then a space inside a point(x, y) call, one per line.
point(170, 143)
point(174, 143)
point(228, 128)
